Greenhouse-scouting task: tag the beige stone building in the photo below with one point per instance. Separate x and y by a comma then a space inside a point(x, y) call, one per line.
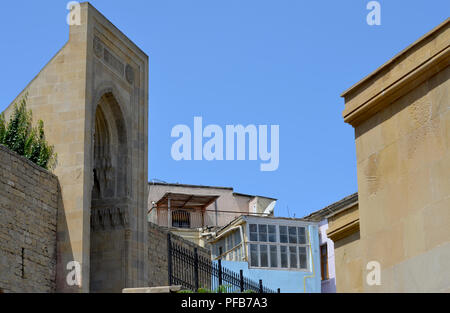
point(343, 229)
point(401, 116)
point(93, 99)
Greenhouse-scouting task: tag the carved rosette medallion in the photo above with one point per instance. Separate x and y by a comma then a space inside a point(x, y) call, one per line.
point(98, 47)
point(129, 74)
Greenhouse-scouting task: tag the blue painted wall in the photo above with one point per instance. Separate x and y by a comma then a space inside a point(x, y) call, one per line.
point(287, 281)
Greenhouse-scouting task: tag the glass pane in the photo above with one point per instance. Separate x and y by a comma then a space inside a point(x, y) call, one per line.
point(293, 257)
point(272, 233)
point(262, 233)
point(302, 257)
point(254, 255)
point(253, 232)
point(283, 254)
point(283, 234)
point(301, 235)
point(220, 247)
point(237, 238)
point(273, 256)
point(292, 234)
point(229, 243)
point(264, 256)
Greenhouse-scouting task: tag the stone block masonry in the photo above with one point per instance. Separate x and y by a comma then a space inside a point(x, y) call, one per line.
point(28, 214)
point(157, 253)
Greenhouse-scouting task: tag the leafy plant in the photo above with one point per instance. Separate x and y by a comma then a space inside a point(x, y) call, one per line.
point(21, 137)
point(220, 289)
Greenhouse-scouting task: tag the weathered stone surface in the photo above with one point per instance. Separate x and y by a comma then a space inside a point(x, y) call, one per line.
point(157, 254)
point(401, 116)
point(86, 76)
point(162, 289)
point(28, 215)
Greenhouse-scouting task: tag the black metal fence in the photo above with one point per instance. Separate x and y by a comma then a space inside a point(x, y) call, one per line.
point(193, 271)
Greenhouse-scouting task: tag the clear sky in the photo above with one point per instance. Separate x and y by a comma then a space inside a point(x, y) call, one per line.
point(282, 62)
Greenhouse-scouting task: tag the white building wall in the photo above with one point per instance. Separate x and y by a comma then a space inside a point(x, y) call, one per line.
point(328, 286)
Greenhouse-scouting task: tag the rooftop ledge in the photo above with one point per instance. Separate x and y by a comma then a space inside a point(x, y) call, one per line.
point(408, 69)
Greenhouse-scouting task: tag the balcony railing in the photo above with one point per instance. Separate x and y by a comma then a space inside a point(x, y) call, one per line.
point(190, 218)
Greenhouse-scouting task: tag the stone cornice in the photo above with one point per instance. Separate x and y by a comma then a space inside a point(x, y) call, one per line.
point(343, 231)
point(414, 65)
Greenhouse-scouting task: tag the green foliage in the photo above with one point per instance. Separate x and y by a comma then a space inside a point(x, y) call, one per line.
point(21, 137)
point(220, 289)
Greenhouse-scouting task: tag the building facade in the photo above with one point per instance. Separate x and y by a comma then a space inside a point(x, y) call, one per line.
point(93, 98)
point(343, 230)
point(283, 252)
point(401, 116)
point(193, 211)
point(331, 256)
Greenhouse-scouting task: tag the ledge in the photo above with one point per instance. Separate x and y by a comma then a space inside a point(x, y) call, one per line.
point(344, 231)
point(411, 67)
point(162, 289)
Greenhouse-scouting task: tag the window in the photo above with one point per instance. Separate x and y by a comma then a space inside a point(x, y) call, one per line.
point(181, 219)
point(272, 233)
point(253, 232)
point(229, 247)
point(278, 246)
point(302, 257)
point(229, 241)
point(283, 253)
point(283, 234)
point(254, 255)
point(324, 261)
point(264, 256)
point(262, 230)
point(273, 256)
point(292, 234)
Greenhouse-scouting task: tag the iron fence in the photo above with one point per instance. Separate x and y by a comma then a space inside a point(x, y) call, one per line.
point(193, 271)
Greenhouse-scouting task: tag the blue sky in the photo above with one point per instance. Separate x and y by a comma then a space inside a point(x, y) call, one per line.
point(281, 62)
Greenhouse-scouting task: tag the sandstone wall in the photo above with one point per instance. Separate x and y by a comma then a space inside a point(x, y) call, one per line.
point(28, 212)
point(97, 62)
point(401, 115)
point(403, 156)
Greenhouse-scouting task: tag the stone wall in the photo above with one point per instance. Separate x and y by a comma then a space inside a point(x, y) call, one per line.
point(98, 68)
point(157, 253)
point(28, 212)
point(401, 115)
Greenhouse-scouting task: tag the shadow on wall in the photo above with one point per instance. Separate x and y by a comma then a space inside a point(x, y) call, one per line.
point(346, 240)
point(64, 253)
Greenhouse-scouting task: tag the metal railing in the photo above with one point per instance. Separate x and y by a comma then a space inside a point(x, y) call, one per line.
point(181, 218)
point(193, 271)
point(190, 218)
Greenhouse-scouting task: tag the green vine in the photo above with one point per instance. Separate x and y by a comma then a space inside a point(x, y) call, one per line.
point(21, 137)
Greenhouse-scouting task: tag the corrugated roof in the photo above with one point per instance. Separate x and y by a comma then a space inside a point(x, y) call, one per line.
point(321, 214)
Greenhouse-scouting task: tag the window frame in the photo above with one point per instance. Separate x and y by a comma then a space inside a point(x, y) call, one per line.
point(234, 253)
point(278, 244)
point(324, 276)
